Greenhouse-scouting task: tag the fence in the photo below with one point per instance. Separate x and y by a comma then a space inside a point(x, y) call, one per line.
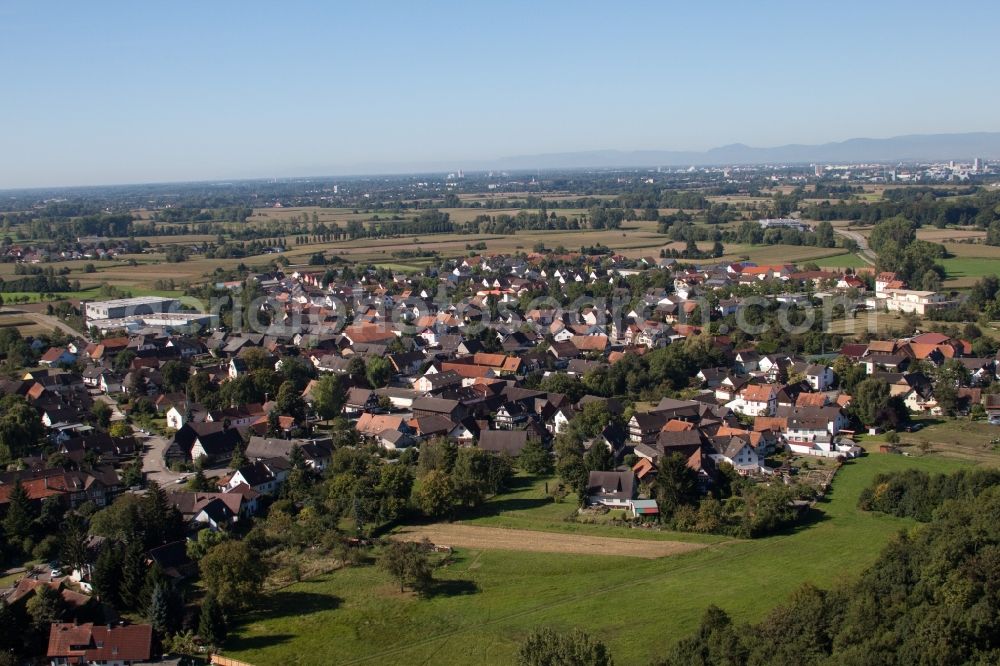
point(219, 660)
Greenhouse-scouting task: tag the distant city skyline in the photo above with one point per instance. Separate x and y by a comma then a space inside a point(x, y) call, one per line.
point(121, 92)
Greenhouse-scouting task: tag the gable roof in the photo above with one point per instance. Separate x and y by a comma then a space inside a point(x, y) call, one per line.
point(510, 442)
point(758, 392)
point(101, 644)
point(590, 342)
point(435, 405)
point(376, 424)
point(611, 485)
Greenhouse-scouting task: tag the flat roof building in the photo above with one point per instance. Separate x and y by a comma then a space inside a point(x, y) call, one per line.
point(126, 307)
point(172, 321)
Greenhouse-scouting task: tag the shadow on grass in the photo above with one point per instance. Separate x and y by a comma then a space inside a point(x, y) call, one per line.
point(499, 506)
point(452, 588)
point(289, 603)
point(257, 642)
point(520, 483)
point(810, 517)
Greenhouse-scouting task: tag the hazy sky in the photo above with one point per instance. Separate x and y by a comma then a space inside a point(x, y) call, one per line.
point(112, 92)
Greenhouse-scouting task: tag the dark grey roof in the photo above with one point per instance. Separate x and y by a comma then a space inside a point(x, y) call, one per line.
point(510, 442)
point(611, 485)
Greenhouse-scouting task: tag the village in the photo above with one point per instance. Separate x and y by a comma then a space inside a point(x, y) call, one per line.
point(217, 419)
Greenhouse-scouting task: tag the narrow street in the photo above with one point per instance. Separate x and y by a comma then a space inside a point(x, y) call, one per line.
point(155, 468)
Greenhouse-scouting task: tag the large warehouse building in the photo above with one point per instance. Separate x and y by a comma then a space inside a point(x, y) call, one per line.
point(127, 307)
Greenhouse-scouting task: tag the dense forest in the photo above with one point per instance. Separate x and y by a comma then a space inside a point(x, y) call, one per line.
point(923, 206)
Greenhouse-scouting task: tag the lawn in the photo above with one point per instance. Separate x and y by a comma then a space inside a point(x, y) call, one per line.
point(527, 507)
point(487, 601)
point(958, 439)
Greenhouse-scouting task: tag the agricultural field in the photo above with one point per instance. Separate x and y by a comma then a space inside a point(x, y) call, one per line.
point(23, 324)
point(963, 272)
point(935, 235)
point(930, 234)
point(486, 600)
point(842, 261)
point(475, 537)
point(141, 273)
point(883, 324)
point(980, 250)
point(778, 254)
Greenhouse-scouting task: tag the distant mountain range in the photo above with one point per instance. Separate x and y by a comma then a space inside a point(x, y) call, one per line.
point(911, 147)
point(908, 148)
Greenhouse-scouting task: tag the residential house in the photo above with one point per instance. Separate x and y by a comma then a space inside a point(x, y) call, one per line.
point(612, 489)
point(212, 441)
point(90, 644)
point(819, 377)
point(509, 442)
point(263, 476)
point(756, 400)
point(644, 428)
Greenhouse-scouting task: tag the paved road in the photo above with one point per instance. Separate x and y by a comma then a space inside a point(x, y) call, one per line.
point(864, 251)
point(153, 464)
point(155, 468)
point(41, 319)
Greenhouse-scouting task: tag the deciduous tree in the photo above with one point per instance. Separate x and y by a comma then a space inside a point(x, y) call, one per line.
point(233, 573)
point(407, 563)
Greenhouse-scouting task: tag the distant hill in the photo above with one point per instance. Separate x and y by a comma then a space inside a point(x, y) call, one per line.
point(911, 147)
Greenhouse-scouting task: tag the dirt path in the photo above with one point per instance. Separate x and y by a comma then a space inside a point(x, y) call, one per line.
point(496, 538)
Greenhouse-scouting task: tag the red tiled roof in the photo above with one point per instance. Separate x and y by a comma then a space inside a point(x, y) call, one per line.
point(758, 392)
point(368, 333)
point(52, 354)
point(467, 370)
point(772, 423)
point(97, 643)
point(590, 342)
point(676, 425)
point(811, 400)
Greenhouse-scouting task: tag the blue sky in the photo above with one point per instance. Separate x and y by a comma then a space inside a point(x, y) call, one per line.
point(112, 92)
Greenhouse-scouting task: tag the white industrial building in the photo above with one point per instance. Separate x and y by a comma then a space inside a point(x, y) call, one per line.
point(119, 308)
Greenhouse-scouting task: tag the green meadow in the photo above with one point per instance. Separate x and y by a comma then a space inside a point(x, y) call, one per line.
point(965, 271)
point(486, 601)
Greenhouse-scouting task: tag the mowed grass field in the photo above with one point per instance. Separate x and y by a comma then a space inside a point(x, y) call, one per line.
point(487, 601)
point(965, 271)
